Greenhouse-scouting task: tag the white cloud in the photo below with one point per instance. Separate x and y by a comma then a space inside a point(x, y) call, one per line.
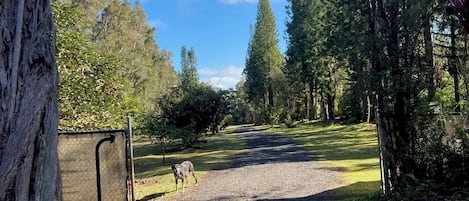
point(156, 23)
point(208, 71)
point(224, 78)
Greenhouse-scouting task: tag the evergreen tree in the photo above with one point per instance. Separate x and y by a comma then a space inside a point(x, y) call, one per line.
point(189, 76)
point(309, 56)
point(262, 60)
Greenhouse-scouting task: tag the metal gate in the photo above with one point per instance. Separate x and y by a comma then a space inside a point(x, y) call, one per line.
point(95, 165)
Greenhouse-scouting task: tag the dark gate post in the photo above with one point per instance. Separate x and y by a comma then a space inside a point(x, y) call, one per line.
point(131, 151)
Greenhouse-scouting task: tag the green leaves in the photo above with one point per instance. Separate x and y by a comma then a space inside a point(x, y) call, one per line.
point(188, 113)
point(89, 90)
point(109, 64)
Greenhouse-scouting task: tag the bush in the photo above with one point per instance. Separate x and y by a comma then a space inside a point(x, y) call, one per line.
point(186, 115)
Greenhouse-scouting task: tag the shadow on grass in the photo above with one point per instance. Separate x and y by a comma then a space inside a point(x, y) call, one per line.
point(342, 193)
point(152, 196)
point(270, 148)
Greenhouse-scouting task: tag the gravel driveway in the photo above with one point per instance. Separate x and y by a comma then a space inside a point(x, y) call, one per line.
point(272, 167)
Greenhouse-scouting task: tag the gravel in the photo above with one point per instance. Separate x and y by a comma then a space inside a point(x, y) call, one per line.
point(272, 167)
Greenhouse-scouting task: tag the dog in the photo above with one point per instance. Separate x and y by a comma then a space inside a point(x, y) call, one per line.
point(181, 171)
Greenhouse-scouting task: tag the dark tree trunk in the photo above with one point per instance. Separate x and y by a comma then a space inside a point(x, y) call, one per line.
point(28, 106)
point(453, 70)
point(323, 106)
point(306, 102)
point(330, 107)
point(312, 102)
point(398, 134)
point(428, 59)
point(373, 82)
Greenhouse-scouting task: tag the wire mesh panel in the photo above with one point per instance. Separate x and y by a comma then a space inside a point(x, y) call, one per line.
point(78, 165)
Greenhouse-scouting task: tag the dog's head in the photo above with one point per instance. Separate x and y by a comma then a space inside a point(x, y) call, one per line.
point(177, 169)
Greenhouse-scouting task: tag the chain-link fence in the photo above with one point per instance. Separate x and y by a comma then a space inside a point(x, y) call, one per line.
point(80, 155)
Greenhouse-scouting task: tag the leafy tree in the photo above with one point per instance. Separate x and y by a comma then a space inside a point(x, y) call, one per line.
point(192, 112)
point(122, 31)
point(29, 85)
point(90, 92)
point(241, 110)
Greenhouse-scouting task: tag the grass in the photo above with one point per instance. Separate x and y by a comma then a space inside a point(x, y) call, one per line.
point(155, 179)
point(350, 149)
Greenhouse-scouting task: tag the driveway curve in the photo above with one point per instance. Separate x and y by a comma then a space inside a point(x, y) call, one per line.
point(271, 167)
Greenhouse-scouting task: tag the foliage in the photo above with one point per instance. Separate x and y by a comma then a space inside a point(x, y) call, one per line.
point(122, 31)
point(262, 63)
point(90, 93)
point(186, 115)
point(311, 63)
point(379, 54)
point(109, 62)
point(189, 76)
point(440, 155)
point(241, 110)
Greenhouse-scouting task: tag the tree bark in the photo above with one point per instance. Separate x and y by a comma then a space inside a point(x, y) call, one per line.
point(312, 102)
point(28, 106)
point(428, 58)
point(453, 70)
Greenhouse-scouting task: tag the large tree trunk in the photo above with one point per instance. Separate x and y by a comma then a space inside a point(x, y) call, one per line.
point(28, 105)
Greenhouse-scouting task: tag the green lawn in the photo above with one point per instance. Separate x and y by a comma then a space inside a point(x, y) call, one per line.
point(350, 149)
point(155, 179)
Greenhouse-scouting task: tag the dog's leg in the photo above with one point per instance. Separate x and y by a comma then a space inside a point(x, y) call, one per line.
point(193, 174)
point(175, 178)
point(182, 184)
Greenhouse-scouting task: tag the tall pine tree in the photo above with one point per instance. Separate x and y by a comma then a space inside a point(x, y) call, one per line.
point(262, 60)
point(189, 76)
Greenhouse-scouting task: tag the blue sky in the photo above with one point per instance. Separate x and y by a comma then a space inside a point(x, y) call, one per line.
point(217, 29)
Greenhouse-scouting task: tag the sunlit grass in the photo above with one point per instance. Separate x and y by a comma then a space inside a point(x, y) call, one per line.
point(352, 149)
point(155, 179)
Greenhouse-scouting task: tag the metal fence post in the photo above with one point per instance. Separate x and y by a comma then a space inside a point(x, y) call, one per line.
point(131, 151)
